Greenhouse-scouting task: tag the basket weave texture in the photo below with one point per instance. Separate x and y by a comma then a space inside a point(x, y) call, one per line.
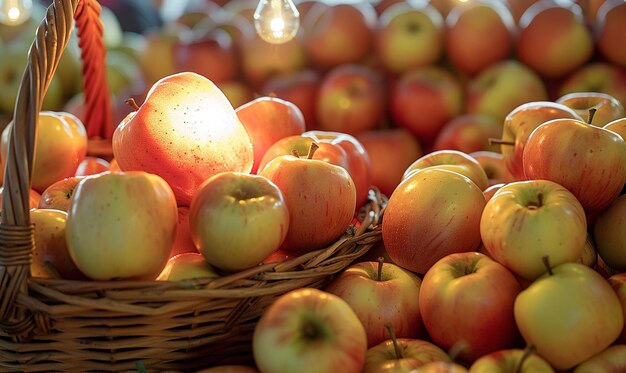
point(74, 326)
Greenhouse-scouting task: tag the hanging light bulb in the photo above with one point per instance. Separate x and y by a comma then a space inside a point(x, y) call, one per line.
point(15, 12)
point(276, 21)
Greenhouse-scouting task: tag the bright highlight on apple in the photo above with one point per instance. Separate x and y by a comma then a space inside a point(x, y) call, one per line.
point(276, 21)
point(15, 12)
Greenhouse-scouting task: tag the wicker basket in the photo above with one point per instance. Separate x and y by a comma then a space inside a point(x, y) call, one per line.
point(61, 325)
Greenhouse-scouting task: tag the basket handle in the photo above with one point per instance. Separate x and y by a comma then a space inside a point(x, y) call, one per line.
point(16, 232)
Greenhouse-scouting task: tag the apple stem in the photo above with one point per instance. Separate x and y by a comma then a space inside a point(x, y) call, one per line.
point(546, 263)
point(312, 150)
point(379, 275)
point(456, 349)
point(295, 153)
point(529, 350)
point(592, 113)
point(394, 340)
point(493, 141)
point(131, 102)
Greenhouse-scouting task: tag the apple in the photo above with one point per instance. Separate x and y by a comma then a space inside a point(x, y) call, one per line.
point(431, 214)
point(171, 135)
point(337, 34)
point(408, 36)
point(423, 100)
point(518, 7)
point(267, 120)
point(320, 197)
point(441, 366)
point(51, 258)
point(452, 286)
point(236, 220)
point(451, 160)
point(511, 360)
point(489, 193)
point(543, 313)
point(527, 220)
point(279, 256)
point(610, 30)
point(612, 359)
point(469, 133)
point(159, 47)
point(237, 92)
point(183, 243)
point(599, 156)
point(494, 167)
point(549, 30)
point(610, 234)
point(59, 195)
point(92, 165)
point(350, 99)
point(299, 88)
point(478, 34)
point(78, 128)
point(597, 77)
point(608, 108)
point(380, 294)
point(502, 87)
point(186, 266)
point(309, 330)
point(519, 124)
point(388, 167)
point(137, 206)
point(618, 283)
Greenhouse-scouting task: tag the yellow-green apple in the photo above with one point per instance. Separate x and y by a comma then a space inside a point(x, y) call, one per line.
point(488, 193)
point(77, 127)
point(502, 87)
point(553, 38)
point(543, 313)
point(512, 360)
point(609, 234)
point(183, 243)
point(261, 61)
point(122, 73)
point(612, 359)
point(451, 160)
point(320, 197)
point(441, 366)
point(336, 34)
point(478, 34)
point(402, 355)
point(618, 283)
point(527, 220)
point(186, 266)
point(350, 99)
point(469, 133)
point(494, 166)
point(610, 31)
point(589, 256)
point(309, 330)
point(431, 214)
point(185, 131)
point(300, 88)
point(608, 108)
point(452, 286)
point(599, 156)
point(58, 150)
point(121, 225)
point(388, 167)
point(358, 160)
point(236, 220)
point(618, 126)
point(267, 120)
point(423, 100)
point(58, 196)
point(237, 92)
point(409, 35)
point(159, 47)
point(597, 77)
point(380, 294)
point(50, 256)
point(518, 125)
point(91, 165)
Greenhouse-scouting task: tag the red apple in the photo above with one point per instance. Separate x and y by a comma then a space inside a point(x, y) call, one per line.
point(608, 108)
point(268, 120)
point(611, 31)
point(308, 330)
point(423, 100)
point(92, 165)
point(478, 34)
point(431, 214)
point(183, 242)
point(186, 266)
point(451, 160)
point(350, 100)
point(554, 39)
point(279, 256)
point(518, 7)
point(599, 156)
point(618, 126)
point(597, 77)
point(610, 234)
point(469, 133)
point(59, 195)
point(489, 193)
point(452, 286)
point(320, 197)
point(527, 220)
point(380, 294)
point(494, 167)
